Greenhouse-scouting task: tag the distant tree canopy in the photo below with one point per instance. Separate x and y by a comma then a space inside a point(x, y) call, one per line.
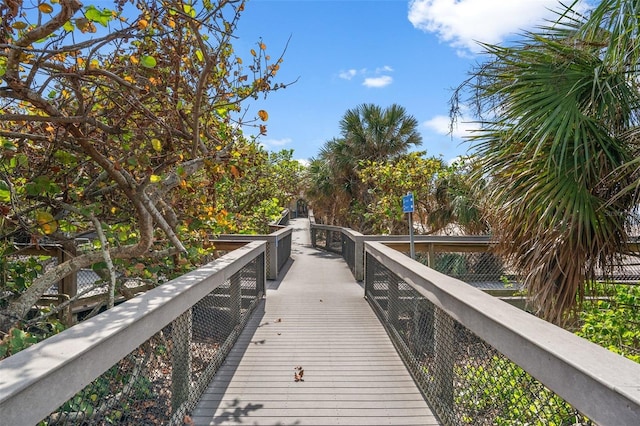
point(127, 126)
point(358, 180)
point(389, 181)
point(368, 133)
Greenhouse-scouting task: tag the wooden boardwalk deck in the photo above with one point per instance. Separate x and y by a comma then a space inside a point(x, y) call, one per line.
point(316, 318)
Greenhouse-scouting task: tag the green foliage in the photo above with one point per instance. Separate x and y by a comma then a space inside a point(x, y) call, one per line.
point(453, 264)
point(556, 142)
point(89, 400)
point(388, 181)
point(17, 339)
point(368, 133)
point(611, 318)
point(254, 190)
point(496, 391)
point(458, 199)
point(133, 137)
point(19, 272)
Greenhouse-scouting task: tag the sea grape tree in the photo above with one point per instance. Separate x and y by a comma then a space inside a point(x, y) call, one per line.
point(115, 123)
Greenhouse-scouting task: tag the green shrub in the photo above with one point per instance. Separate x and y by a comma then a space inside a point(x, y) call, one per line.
point(498, 392)
point(611, 318)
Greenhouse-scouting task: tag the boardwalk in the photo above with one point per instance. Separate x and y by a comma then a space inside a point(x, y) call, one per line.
point(316, 318)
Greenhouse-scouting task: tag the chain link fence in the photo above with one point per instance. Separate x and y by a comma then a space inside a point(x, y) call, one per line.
point(466, 380)
point(160, 382)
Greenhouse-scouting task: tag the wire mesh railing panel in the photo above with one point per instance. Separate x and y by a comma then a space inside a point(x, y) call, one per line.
point(327, 239)
point(318, 237)
point(284, 250)
point(268, 254)
point(161, 381)
point(349, 251)
point(465, 380)
point(481, 269)
point(627, 270)
point(334, 241)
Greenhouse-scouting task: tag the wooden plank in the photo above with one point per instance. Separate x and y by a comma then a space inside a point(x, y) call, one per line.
point(317, 318)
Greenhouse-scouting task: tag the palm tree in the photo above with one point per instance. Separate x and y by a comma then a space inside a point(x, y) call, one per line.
point(458, 200)
point(379, 134)
point(555, 113)
point(324, 192)
point(368, 132)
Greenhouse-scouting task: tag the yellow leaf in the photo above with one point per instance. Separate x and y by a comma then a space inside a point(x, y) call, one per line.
point(156, 144)
point(134, 60)
point(264, 116)
point(19, 25)
point(263, 46)
point(45, 8)
point(143, 23)
point(155, 178)
point(46, 221)
point(253, 52)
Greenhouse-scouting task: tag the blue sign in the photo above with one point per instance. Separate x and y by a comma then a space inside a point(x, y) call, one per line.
point(407, 203)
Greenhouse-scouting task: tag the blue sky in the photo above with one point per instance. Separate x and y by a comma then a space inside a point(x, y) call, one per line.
point(344, 53)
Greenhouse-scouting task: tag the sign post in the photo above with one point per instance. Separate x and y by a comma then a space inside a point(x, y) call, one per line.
point(407, 207)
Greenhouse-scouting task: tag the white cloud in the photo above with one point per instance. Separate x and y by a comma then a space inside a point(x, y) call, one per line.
point(463, 23)
point(370, 78)
point(275, 143)
point(348, 74)
point(441, 124)
point(385, 68)
point(381, 81)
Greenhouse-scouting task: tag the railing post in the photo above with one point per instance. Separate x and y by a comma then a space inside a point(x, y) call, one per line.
point(235, 298)
point(261, 274)
point(359, 258)
point(431, 258)
point(393, 294)
point(272, 257)
point(70, 282)
point(444, 359)
point(312, 230)
point(181, 372)
point(368, 276)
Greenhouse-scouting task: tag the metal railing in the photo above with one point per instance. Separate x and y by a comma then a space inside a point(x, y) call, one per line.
point(278, 248)
point(466, 258)
point(480, 361)
point(146, 361)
